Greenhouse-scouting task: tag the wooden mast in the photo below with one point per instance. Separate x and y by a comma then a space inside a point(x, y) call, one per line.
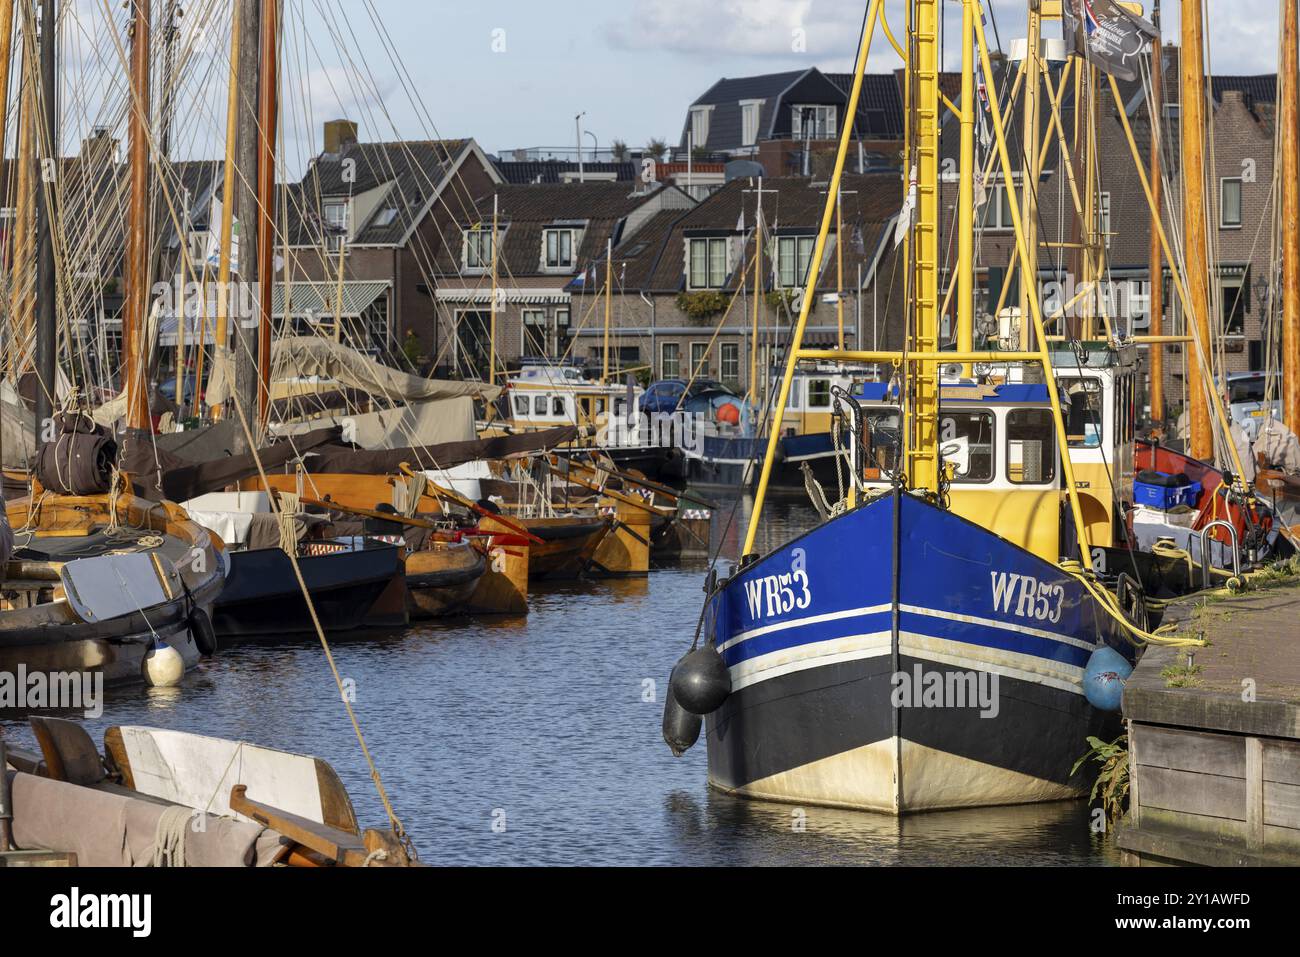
point(47, 141)
point(268, 105)
point(137, 227)
point(1028, 285)
point(1200, 439)
point(492, 303)
point(221, 343)
point(20, 271)
point(1156, 352)
point(1289, 110)
point(609, 292)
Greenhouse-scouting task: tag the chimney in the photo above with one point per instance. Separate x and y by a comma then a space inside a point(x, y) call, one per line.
point(99, 147)
point(339, 135)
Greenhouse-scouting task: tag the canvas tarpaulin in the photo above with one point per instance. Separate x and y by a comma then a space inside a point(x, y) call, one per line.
point(414, 424)
point(17, 432)
point(299, 357)
point(447, 455)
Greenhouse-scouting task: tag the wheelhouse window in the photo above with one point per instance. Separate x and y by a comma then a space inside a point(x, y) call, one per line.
point(521, 406)
point(559, 248)
point(707, 262)
point(793, 257)
point(1031, 447)
point(819, 394)
point(966, 440)
point(881, 439)
point(1230, 202)
point(478, 248)
point(1083, 414)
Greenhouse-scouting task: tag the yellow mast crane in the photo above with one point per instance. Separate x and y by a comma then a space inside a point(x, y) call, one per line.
point(966, 192)
point(923, 457)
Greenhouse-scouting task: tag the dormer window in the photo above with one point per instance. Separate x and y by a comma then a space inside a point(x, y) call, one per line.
point(334, 213)
point(750, 111)
point(793, 257)
point(700, 125)
point(478, 248)
point(813, 122)
point(706, 262)
point(557, 248)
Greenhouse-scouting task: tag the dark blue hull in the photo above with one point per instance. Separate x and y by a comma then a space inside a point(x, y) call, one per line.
point(900, 658)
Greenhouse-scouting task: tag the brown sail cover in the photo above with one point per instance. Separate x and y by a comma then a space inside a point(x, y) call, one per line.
point(178, 476)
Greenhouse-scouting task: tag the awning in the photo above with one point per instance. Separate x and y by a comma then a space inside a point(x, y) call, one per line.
point(483, 296)
point(318, 300)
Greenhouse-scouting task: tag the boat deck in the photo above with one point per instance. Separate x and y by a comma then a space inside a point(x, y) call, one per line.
point(1215, 744)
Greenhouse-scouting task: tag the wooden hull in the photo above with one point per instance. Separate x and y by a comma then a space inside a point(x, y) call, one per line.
point(263, 600)
point(567, 546)
point(42, 630)
point(441, 579)
point(625, 551)
point(503, 589)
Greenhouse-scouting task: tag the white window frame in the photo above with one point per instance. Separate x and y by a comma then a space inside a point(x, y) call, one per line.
point(700, 116)
point(480, 241)
point(663, 360)
point(796, 244)
point(826, 119)
point(751, 115)
point(1103, 217)
point(702, 361)
point(729, 355)
point(717, 252)
point(561, 264)
point(527, 322)
point(336, 233)
point(1223, 182)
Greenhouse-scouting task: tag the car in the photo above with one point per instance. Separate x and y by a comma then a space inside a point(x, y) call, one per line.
point(1249, 402)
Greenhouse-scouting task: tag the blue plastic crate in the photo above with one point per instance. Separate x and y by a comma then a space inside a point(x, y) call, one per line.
point(1165, 497)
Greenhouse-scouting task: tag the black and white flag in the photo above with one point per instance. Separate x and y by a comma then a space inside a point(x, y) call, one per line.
point(1109, 36)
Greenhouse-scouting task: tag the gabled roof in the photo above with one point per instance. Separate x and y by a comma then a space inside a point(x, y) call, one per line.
point(726, 125)
point(880, 105)
point(870, 204)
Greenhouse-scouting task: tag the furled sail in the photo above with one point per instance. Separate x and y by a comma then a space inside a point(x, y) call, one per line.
point(302, 357)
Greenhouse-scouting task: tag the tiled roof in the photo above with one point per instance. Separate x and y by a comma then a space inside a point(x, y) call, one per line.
point(553, 171)
point(880, 106)
point(870, 203)
point(725, 96)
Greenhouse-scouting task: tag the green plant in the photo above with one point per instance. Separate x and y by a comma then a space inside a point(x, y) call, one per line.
point(618, 150)
point(703, 304)
point(1183, 673)
point(657, 149)
point(1111, 785)
point(782, 300)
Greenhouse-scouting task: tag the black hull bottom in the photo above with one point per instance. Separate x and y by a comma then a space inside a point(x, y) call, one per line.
point(829, 737)
point(262, 599)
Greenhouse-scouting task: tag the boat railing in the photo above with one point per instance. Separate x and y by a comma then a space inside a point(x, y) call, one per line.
point(1207, 560)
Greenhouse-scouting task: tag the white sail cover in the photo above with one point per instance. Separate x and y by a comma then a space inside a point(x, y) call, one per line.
point(17, 432)
point(300, 357)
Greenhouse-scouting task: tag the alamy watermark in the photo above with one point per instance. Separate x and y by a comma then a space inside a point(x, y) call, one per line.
point(25, 690)
point(924, 688)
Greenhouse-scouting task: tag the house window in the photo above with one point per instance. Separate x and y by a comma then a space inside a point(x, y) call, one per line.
point(700, 125)
point(793, 256)
point(1230, 203)
point(749, 115)
point(708, 263)
point(559, 248)
point(1103, 218)
point(731, 363)
point(534, 332)
point(1234, 301)
point(997, 210)
point(478, 248)
point(670, 360)
point(699, 358)
point(335, 214)
point(813, 122)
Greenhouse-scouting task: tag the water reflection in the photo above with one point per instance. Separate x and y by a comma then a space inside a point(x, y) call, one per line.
point(550, 725)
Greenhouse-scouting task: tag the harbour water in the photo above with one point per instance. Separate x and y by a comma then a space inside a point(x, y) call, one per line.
point(537, 741)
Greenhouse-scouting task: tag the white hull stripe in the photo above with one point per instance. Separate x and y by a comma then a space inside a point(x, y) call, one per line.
point(1005, 626)
point(942, 651)
point(801, 622)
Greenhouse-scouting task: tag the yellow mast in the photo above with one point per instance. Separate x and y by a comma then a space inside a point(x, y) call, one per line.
point(923, 461)
point(1289, 114)
point(1029, 181)
point(609, 301)
point(221, 345)
point(814, 268)
point(1200, 439)
point(966, 192)
point(1156, 351)
point(758, 292)
point(839, 264)
point(492, 323)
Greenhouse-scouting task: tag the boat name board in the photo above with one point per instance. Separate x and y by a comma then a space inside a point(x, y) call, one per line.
point(780, 593)
point(1033, 599)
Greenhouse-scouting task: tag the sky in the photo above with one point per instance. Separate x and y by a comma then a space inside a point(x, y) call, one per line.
point(515, 73)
